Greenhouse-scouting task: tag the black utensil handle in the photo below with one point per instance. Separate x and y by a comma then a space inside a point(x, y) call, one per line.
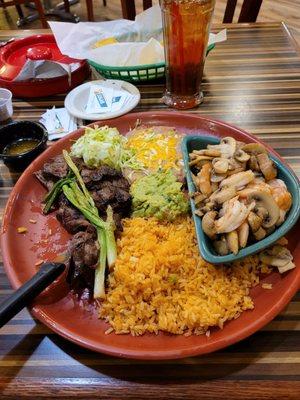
point(47, 273)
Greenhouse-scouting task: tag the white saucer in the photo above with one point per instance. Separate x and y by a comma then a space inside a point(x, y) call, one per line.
point(76, 101)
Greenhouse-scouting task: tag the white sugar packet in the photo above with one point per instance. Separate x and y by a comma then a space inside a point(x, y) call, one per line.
point(119, 99)
point(130, 98)
point(107, 97)
point(100, 99)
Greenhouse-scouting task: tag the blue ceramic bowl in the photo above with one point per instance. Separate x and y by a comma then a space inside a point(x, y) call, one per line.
point(190, 143)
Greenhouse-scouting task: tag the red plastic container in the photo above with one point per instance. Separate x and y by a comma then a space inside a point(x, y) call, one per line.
point(38, 47)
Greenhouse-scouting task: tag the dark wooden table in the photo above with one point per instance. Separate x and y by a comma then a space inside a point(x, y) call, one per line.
point(253, 81)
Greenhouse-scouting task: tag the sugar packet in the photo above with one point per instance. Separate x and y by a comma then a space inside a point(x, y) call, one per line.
point(106, 97)
point(100, 99)
point(58, 123)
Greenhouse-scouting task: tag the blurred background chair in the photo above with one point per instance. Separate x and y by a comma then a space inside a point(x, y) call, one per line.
point(90, 9)
point(17, 3)
point(249, 10)
point(128, 8)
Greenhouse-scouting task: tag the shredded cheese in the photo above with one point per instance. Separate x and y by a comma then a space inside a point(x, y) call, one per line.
point(156, 150)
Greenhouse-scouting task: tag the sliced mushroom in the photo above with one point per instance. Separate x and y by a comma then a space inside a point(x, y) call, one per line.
point(270, 230)
point(221, 247)
point(271, 260)
point(222, 195)
point(261, 212)
point(253, 163)
point(238, 180)
point(280, 251)
point(208, 152)
point(193, 155)
point(234, 214)
point(200, 160)
point(266, 166)
point(241, 155)
point(208, 224)
point(215, 178)
point(236, 166)
point(254, 148)
point(277, 256)
point(198, 198)
point(220, 165)
point(254, 221)
point(243, 233)
point(260, 234)
point(259, 176)
point(286, 267)
point(214, 186)
point(227, 147)
point(199, 213)
point(207, 208)
point(204, 179)
point(231, 143)
point(233, 241)
point(266, 201)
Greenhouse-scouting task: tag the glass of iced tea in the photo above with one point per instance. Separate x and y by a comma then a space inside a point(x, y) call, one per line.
point(186, 25)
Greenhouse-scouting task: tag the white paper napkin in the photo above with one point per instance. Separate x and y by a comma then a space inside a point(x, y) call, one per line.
point(139, 41)
point(58, 122)
point(45, 69)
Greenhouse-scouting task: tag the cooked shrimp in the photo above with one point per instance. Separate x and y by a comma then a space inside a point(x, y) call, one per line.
point(238, 180)
point(280, 194)
point(256, 185)
point(234, 214)
point(204, 179)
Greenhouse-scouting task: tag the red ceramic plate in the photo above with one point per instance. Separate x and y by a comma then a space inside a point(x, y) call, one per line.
point(57, 308)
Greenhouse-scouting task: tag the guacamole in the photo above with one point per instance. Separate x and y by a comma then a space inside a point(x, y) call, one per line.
point(158, 195)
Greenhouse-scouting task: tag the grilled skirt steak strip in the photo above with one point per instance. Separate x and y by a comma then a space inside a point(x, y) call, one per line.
point(84, 256)
point(72, 219)
point(107, 186)
point(91, 176)
point(56, 168)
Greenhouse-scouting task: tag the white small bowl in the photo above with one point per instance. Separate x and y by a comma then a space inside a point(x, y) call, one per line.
point(6, 107)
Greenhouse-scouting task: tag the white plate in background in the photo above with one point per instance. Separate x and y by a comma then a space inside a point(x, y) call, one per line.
point(76, 101)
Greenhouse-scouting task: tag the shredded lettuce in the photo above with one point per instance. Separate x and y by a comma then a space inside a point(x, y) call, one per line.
point(105, 145)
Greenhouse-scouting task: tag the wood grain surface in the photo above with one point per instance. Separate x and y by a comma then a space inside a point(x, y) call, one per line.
point(253, 81)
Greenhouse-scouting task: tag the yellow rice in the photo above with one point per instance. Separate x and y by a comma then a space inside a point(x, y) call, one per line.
point(161, 283)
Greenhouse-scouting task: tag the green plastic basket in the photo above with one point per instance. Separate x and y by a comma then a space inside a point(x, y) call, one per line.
point(135, 74)
point(140, 73)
